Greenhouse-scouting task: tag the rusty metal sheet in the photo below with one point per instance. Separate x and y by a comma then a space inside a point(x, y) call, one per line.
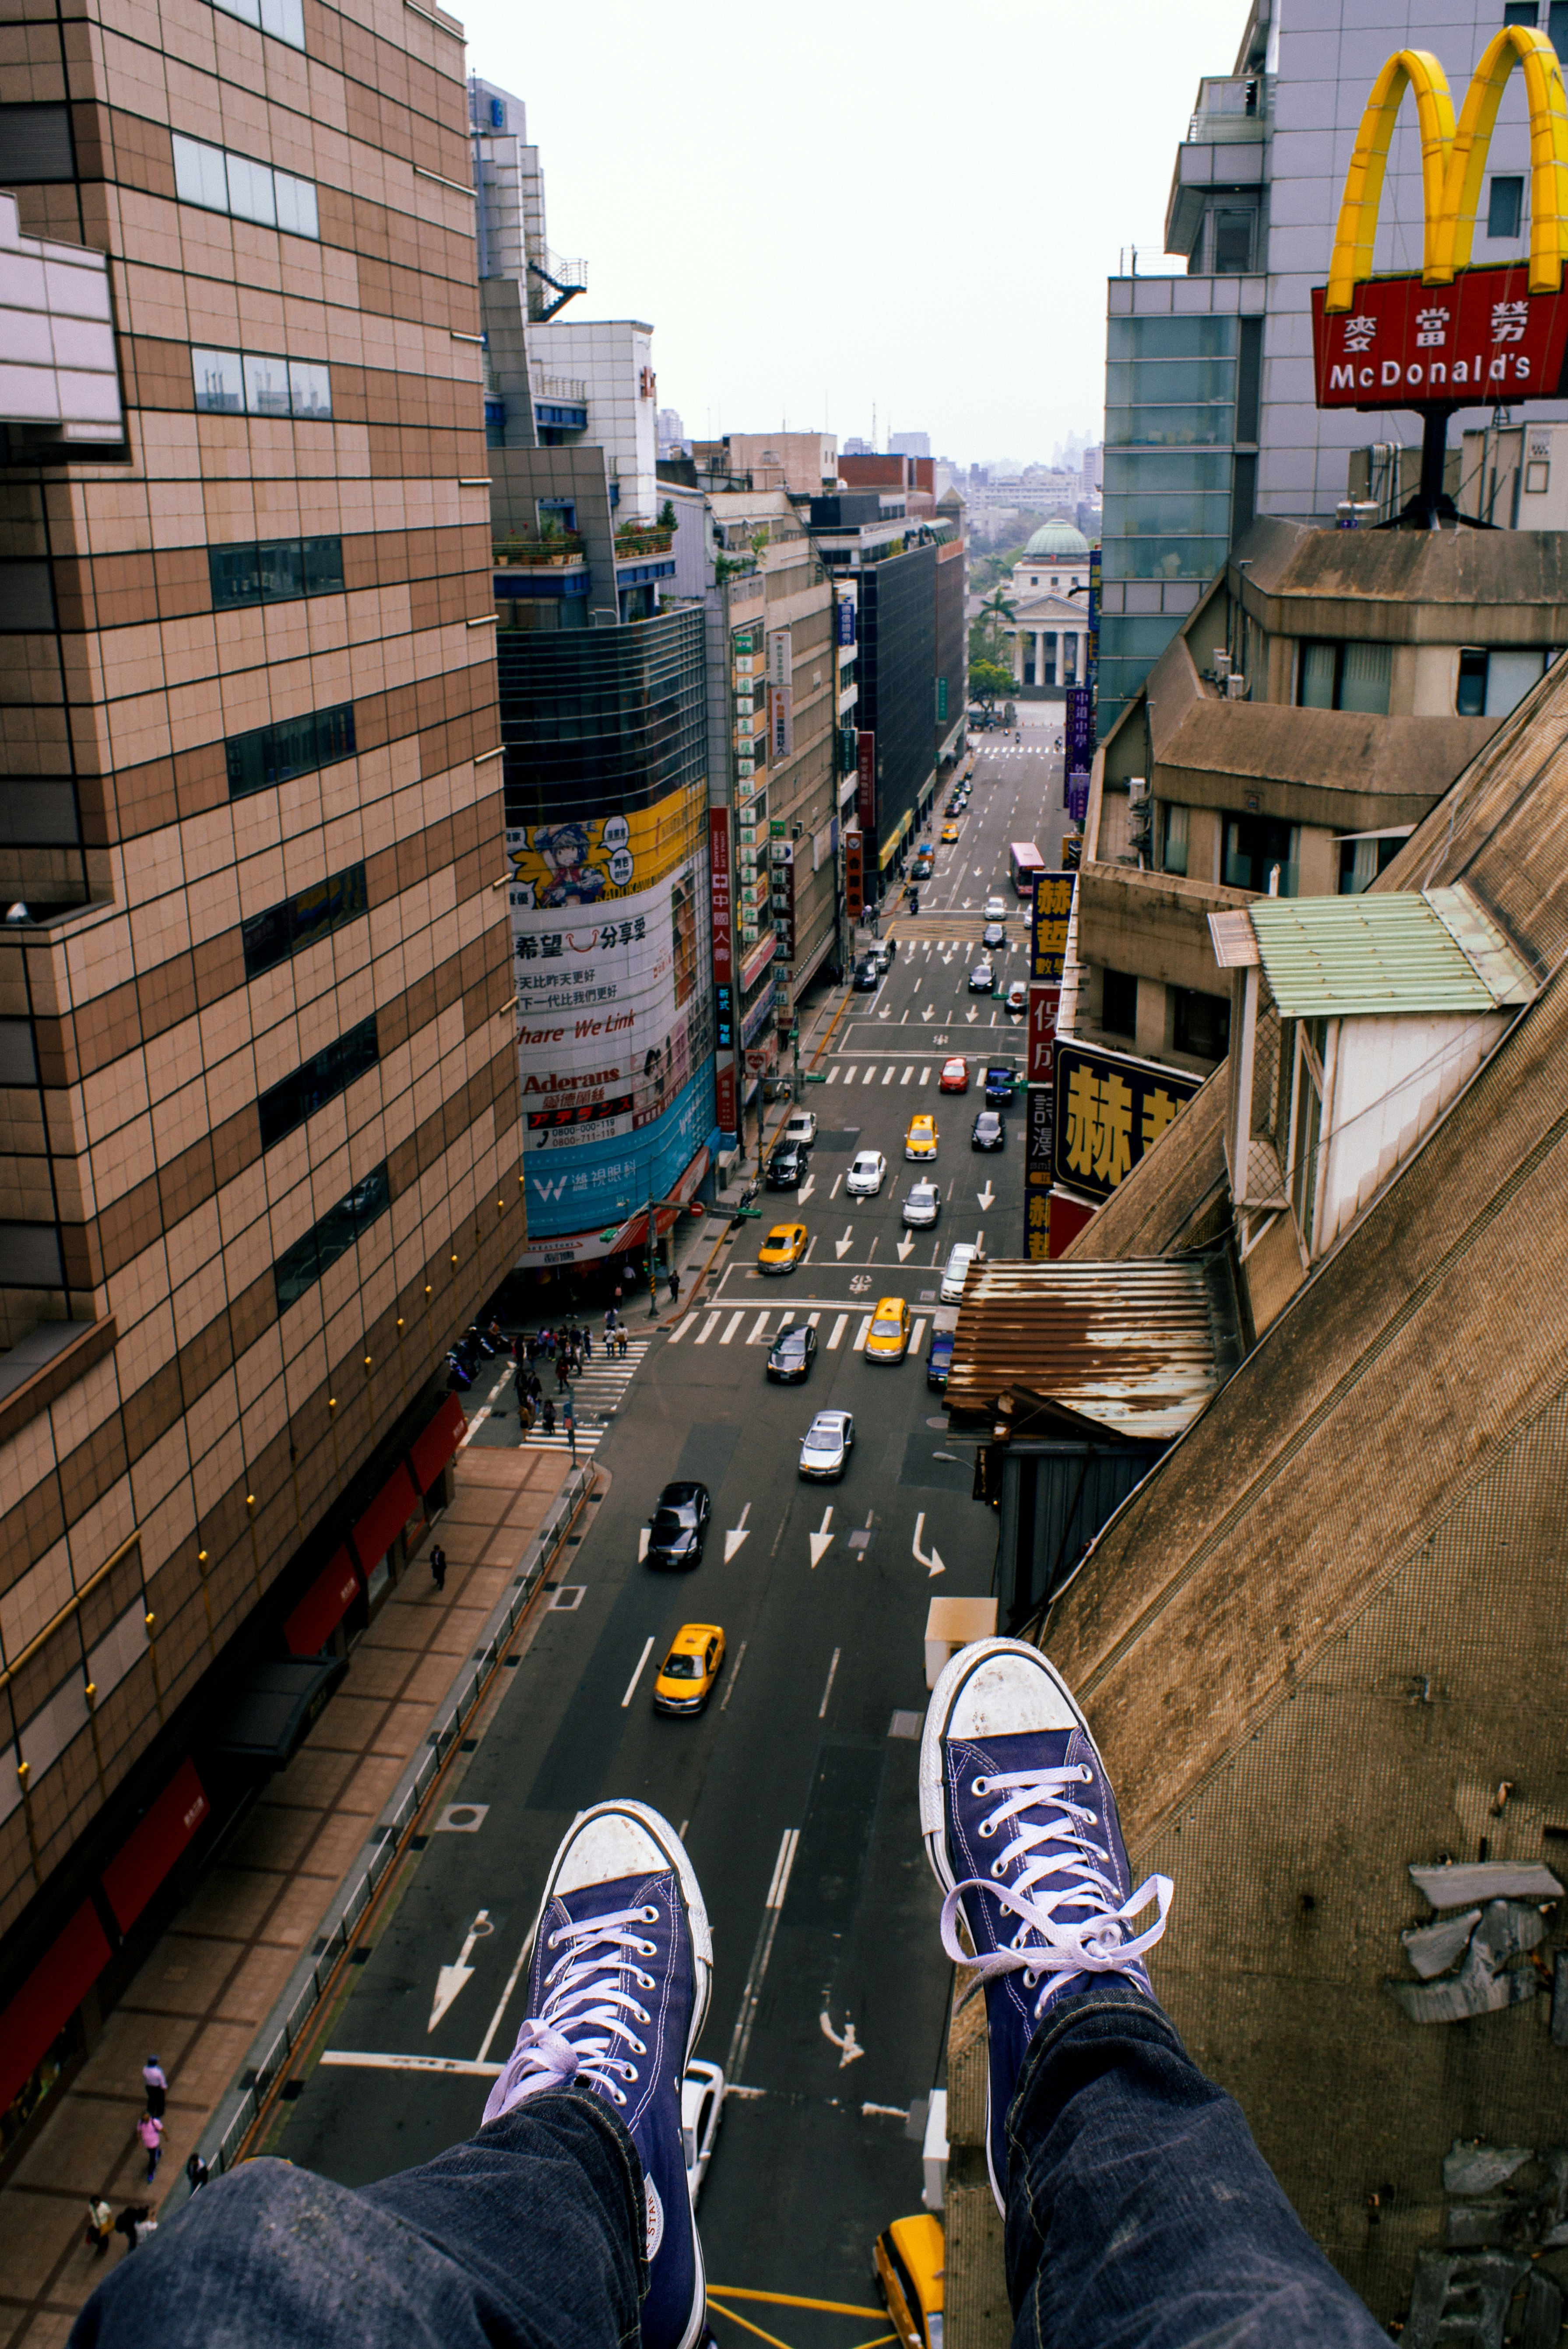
point(1131, 1345)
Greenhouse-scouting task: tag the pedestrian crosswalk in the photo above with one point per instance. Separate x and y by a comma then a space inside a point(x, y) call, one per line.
point(596, 1391)
point(723, 1326)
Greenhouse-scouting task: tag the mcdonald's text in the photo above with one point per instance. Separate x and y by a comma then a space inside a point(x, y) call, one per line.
point(1404, 343)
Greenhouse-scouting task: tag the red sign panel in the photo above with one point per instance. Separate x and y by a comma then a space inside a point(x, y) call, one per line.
point(866, 772)
point(720, 896)
point(854, 876)
point(310, 1625)
point(1486, 337)
point(56, 1987)
point(723, 1091)
point(1045, 1002)
point(151, 1848)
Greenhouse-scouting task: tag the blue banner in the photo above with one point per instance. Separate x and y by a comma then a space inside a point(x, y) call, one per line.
point(602, 1182)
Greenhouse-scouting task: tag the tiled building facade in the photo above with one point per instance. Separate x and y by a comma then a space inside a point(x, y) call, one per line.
point(259, 1147)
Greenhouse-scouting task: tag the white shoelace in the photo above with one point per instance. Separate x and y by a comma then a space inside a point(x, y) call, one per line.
point(1054, 1841)
point(584, 2013)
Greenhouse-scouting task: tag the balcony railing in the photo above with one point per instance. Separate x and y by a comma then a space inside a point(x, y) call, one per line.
point(1232, 109)
point(561, 547)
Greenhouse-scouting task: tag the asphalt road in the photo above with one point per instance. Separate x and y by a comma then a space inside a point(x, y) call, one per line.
point(796, 1790)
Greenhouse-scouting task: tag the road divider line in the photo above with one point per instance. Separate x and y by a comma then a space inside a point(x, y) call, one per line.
point(523, 1956)
point(918, 1334)
point(740, 2038)
point(636, 1676)
point(708, 1327)
point(861, 1335)
point(734, 1675)
point(837, 1339)
point(827, 1692)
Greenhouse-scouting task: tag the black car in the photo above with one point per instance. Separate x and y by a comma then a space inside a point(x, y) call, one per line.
point(990, 1131)
point(786, 1167)
point(794, 1351)
point(678, 1527)
point(939, 1358)
point(999, 1087)
point(868, 977)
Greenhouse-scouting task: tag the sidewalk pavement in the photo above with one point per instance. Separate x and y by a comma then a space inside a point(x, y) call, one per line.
point(212, 1978)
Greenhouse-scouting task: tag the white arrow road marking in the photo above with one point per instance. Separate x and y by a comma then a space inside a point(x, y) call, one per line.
point(821, 1541)
point(451, 1979)
point(932, 1564)
point(841, 1248)
point(839, 1326)
point(928, 1010)
point(885, 1012)
point(904, 1247)
point(642, 1660)
point(971, 1015)
point(737, 1535)
point(642, 1539)
point(807, 1187)
point(848, 2046)
point(987, 1197)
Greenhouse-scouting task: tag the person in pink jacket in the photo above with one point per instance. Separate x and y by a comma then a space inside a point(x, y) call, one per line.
point(150, 2129)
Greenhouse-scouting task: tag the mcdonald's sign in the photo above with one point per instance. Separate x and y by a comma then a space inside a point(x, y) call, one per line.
point(1450, 334)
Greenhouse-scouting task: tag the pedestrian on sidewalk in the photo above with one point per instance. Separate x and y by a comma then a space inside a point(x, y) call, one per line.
point(100, 2224)
point(197, 2173)
point(439, 1566)
point(620, 1341)
point(125, 2224)
point(562, 1374)
point(155, 2081)
point(674, 1284)
point(150, 2129)
point(569, 1421)
point(548, 1415)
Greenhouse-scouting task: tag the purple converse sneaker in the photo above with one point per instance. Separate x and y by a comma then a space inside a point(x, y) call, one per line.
point(617, 1992)
point(1021, 1831)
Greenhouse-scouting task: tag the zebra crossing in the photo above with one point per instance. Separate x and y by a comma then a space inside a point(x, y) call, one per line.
point(726, 1326)
point(596, 1392)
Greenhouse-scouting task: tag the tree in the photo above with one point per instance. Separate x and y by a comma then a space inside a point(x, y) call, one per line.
point(987, 679)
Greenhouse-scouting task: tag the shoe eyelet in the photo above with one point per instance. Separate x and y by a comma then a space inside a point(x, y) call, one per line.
point(620, 2099)
point(986, 1828)
point(997, 1867)
point(646, 1948)
point(981, 1786)
point(649, 1916)
point(637, 2048)
point(643, 1981)
point(1030, 1978)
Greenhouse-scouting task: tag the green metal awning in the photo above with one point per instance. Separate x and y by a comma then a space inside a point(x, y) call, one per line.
point(1410, 951)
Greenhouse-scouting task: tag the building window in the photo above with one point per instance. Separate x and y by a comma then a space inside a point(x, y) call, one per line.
point(1232, 234)
point(1504, 206)
point(300, 1266)
point(34, 144)
point(223, 181)
point(1256, 847)
point(1344, 677)
point(275, 571)
point(1492, 682)
point(1119, 1002)
point(30, 1256)
point(1173, 849)
point(1200, 1024)
point(317, 1080)
point(255, 383)
point(300, 921)
point(270, 755)
point(285, 19)
point(1361, 861)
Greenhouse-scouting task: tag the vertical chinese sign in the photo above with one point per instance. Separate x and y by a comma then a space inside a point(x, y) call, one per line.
point(1049, 914)
point(1079, 749)
point(721, 909)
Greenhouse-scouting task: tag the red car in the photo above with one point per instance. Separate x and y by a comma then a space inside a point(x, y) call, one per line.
point(955, 1076)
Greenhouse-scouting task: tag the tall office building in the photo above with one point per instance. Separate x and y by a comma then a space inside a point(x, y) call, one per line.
point(258, 1085)
point(1209, 414)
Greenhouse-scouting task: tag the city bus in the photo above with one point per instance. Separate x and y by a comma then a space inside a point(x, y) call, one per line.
point(1025, 861)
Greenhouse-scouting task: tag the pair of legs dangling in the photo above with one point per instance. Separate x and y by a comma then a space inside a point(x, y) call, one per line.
point(1140, 2214)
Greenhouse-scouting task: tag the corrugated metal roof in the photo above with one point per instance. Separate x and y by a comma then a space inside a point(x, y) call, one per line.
point(1129, 1344)
point(1406, 951)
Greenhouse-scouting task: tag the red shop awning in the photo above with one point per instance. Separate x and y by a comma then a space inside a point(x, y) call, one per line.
point(49, 1997)
point(151, 1850)
point(388, 1513)
point(318, 1614)
point(434, 1446)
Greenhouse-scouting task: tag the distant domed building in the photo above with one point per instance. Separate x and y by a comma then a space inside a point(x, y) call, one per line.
point(1050, 634)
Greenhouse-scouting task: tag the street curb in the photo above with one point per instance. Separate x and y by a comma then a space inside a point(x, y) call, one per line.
point(295, 2008)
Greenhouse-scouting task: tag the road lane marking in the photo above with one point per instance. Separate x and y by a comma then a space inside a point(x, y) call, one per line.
point(821, 1541)
point(358, 2060)
point(932, 1564)
point(811, 1249)
point(849, 1074)
point(636, 1676)
point(451, 1979)
point(735, 1321)
point(708, 1327)
point(834, 1191)
point(759, 1328)
point(925, 1074)
point(833, 1074)
point(888, 1075)
point(734, 1675)
point(642, 1539)
point(861, 1335)
point(869, 1076)
point(740, 2039)
point(677, 1334)
point(827, 1692)
point(813, 1319)
point(918, 1334)
point(737, 1536)
point(906, 1076)
point(839, 1326)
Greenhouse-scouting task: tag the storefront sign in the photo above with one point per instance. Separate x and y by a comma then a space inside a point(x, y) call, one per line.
point(1079, 738)
point(1038, 1151)
point(719, 884)
point(724, 1097)
point(866, 772)
point(1050, 911)
point(854, 876)
point(1404, 343)
point(783, 877)
point(845, 608)
point(1045, 1003)
point(1110, 1110)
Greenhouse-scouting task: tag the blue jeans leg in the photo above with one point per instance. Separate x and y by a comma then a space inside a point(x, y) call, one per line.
point(529, 2236)
point(1140, 2215)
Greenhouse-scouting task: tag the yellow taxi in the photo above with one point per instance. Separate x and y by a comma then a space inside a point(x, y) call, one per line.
point(689, 1673)
point(782, 1250)
point(920, 1141)
point(911, 2261)
point(887, 1340)
point(949, 834)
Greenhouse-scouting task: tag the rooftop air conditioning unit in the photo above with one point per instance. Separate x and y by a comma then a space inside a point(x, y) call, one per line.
point(1222, 668)
point(1236, 688)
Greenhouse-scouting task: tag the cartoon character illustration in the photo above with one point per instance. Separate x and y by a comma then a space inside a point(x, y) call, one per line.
point(563, 848)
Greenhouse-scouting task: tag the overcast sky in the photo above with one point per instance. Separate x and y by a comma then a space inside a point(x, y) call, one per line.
point(837, 203)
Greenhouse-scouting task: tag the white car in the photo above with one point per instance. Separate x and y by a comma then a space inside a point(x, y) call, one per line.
point(959, 1260)
point(800, 1127)
point(702, 2102)
point(1018, 997)
point(996, 909)
point(922, 1206)
point(829, 1439)
point(866, 1177)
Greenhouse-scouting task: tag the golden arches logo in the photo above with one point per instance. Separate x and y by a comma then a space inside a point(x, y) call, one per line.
point(1453, 163)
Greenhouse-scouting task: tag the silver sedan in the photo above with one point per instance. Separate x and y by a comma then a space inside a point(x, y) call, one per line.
point(825, 1453)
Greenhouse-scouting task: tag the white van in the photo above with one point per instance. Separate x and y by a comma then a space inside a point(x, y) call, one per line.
point(959, 1260)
